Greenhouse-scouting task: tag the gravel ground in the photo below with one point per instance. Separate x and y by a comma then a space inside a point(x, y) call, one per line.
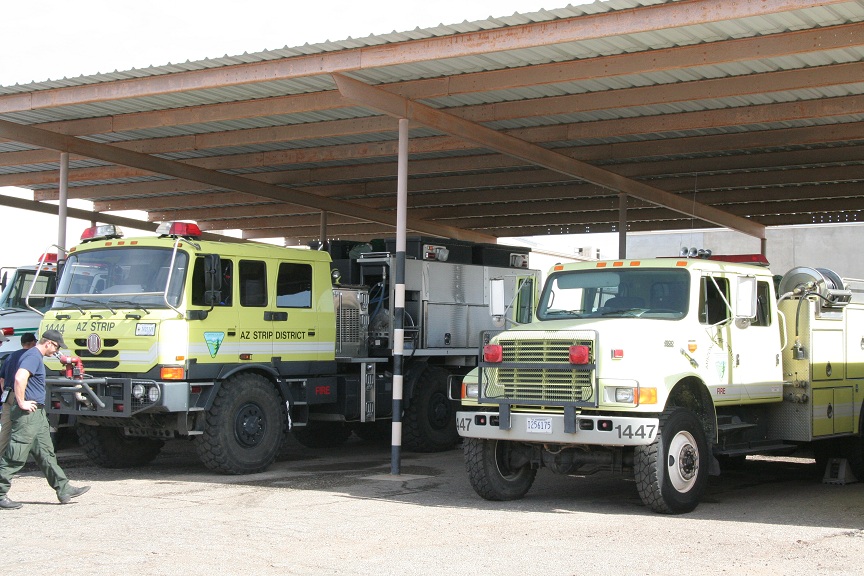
point(341, 512)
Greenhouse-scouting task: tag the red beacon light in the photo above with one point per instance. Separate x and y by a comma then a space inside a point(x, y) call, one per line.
point(493, 353)
point(48, 258)
point(185, 229)
point(102, 232)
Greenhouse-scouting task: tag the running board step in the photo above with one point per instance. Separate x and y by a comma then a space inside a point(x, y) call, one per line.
point(734, 427)
point(756, 449)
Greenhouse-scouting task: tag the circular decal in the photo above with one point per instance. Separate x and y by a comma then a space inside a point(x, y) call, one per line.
point(94, 343)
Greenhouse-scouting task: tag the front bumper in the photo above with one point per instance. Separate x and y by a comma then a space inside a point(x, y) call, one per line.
point(550, 428)
point(113, 397)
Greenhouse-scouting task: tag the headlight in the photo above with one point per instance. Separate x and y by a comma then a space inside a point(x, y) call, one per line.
point(153, 393)
point(138, 391)
point(470, 390)
point(624, 395)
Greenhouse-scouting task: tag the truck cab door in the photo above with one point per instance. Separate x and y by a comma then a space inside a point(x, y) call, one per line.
point(213, 333)
point(755, 343)
point(714, 316)
point(256, 320)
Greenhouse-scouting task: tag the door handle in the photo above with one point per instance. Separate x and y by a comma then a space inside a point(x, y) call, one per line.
point(276, 316)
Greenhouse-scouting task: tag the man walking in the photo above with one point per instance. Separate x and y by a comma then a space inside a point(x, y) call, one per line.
point(7, 383)
point(31, 433)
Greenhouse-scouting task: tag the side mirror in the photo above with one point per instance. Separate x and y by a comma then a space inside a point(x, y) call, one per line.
point(212, 280)
point(497, 302)
point(745, 299)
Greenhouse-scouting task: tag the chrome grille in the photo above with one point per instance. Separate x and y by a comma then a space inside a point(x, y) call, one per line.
point(536, 368)
point(348, 325)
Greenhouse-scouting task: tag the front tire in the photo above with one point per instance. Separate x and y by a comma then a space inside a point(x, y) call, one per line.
point(108, 448)
point(244, 427)
point(492, 471)
point(672, 472)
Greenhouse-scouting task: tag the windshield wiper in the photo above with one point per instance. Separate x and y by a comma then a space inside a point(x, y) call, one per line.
point(573, 313)
point(74, 305)
point(131, 304)
point(100, 304)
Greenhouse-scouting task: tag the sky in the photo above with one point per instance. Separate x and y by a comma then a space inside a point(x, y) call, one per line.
point(55, 39)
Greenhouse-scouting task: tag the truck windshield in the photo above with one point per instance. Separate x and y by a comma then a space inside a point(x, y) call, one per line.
point(15, 293)
point(122, 278)
point(642, 293)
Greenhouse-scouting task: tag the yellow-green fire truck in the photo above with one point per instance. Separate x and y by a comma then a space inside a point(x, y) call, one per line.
point(233, 344)
point(667, 369)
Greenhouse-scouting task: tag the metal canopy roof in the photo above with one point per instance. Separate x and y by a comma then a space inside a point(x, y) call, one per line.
point(740, 114)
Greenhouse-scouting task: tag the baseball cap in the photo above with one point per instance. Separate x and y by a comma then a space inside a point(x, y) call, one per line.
point(55, 336)
point(27, 337)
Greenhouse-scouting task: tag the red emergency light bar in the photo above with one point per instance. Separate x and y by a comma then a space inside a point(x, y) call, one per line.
point(741, 258)
point(103, 232)
point(185, 229)
point(49, 258)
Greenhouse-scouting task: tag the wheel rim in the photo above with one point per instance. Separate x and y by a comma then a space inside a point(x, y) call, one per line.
point(439, 411)
point(682, 464)
point(249, 425)
point(502, 461)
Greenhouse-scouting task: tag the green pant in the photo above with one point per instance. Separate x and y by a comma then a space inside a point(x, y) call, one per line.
point(31, 434)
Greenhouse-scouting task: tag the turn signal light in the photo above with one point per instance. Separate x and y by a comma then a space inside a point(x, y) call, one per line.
point(493, 353)
point(579, 354)
point(171, 373)
point(647, 395)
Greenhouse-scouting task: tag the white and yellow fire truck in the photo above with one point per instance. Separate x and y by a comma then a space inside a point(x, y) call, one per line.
point(23, 301)
point(667, 369)
point(233, 344)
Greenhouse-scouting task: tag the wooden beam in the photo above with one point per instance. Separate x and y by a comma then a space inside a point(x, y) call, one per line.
point(403, 108)
point(53, 209)
point(846, 106)
point(46, 139)
point(805, 78)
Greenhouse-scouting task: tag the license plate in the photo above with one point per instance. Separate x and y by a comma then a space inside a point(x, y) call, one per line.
point(539, 425)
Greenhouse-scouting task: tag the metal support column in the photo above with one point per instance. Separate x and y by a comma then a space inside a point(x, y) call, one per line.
point(622, 226)
point(399, 296)
point(64, 199)
point(322, 231)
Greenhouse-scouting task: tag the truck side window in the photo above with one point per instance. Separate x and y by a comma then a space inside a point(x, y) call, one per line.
point(763, 305)
point(294, 286)
point(712, 308)
point(253, 283)
point(198, 282)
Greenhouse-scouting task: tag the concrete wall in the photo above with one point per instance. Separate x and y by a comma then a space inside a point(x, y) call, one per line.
point(837, 247)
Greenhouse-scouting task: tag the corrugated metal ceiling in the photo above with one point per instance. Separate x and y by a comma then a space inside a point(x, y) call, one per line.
point(655, 104)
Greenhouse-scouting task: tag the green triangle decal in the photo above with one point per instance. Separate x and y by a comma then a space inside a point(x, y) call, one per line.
point(214, 341)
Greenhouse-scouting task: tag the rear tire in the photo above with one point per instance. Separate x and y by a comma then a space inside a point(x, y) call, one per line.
point(672, 472)
point(430, 420)
point(108, 448)
point(492, 473)
point(244, 427)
